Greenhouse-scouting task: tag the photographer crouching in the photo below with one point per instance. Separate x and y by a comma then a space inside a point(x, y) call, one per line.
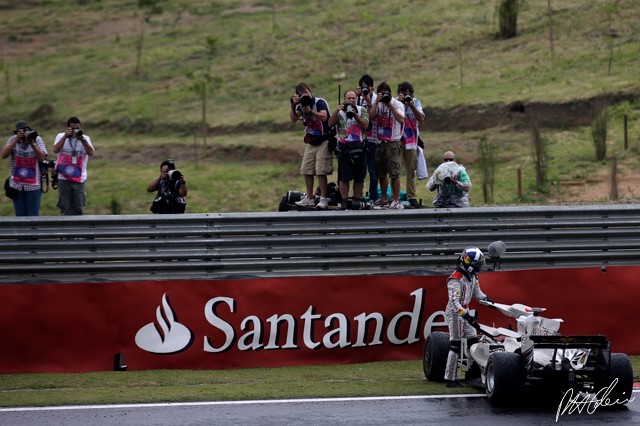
point(171, 187)
point(451, 182)
point(23, 186)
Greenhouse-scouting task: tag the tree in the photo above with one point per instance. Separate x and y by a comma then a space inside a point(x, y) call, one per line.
point(508, 18)
point(203, 82)
point(147, 9)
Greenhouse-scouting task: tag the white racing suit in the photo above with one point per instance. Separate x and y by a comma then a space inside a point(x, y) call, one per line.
point(461, 288)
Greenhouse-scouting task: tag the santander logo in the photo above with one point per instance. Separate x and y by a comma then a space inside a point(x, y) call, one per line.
point(166, 335)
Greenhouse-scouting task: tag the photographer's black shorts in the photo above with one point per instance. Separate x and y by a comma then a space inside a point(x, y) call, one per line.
point(352, 162)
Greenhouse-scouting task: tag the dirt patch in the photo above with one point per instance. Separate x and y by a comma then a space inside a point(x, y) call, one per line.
point(149, 154)
point(518, 114)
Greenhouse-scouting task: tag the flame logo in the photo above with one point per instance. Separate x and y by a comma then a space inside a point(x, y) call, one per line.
point(166, 335)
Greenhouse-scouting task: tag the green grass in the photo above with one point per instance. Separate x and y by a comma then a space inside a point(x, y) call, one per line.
point(370, 379)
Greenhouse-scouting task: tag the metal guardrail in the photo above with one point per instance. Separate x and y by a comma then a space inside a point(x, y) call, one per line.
point(236, 245)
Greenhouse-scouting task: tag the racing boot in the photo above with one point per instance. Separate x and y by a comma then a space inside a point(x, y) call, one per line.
point(451, 369)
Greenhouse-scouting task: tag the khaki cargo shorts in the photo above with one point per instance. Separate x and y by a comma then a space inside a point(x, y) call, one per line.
point(317, 160)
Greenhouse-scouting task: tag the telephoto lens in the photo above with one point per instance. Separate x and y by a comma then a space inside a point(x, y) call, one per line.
point(358, 205)
point(293, 196)
point(174, 175)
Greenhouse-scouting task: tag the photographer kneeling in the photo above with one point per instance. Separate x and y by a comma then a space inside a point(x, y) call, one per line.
point(452, 183)
point(171, 187)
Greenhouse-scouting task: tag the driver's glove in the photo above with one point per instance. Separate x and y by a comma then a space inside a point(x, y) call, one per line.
point(471, 320)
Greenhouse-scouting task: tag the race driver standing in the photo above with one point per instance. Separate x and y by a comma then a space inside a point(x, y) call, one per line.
point(462, 285)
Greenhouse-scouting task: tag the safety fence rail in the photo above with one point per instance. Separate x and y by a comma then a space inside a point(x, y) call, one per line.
point(279, 244)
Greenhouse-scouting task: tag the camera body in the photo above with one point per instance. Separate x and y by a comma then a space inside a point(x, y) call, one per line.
point(364, 91)
point(407, 98)
point(30, 134)
point(447, 180)
point(77, 133)
point(385, 97)
point(350, 109)
point(48, 164)
point(305, 100)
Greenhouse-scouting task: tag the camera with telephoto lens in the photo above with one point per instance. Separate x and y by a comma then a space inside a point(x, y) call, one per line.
point(174, 175)
point(350, 109)
point(358, 205)
point(47, 165)
point(407, 98)
point(305, 100)
point(364, 90)
point(29, 133)
point(77, 133)
point(385, 97)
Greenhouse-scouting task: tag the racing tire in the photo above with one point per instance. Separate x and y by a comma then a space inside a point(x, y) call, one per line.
point(622, 370)
point(434, 357)
point(504, 377)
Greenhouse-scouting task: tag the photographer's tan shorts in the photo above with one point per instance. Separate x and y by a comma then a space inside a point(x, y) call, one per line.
point(317, 160)
point(388, 155)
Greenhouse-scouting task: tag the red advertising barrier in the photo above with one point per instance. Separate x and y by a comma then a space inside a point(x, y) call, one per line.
point(226, 324)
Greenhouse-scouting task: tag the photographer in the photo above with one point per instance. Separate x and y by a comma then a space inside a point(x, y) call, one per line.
point(27, 150)
point(352, 121)
point(388, 114)
point(171, 187)
point(451, 181)
point(366, 97)
point(413, 115)
point(74, 149)
point(317, 160)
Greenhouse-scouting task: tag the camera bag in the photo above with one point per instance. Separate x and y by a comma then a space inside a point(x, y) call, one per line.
point(9, 191)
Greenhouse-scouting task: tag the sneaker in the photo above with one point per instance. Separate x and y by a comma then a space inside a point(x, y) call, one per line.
point(414, 203)
point(396, 205)
point(322, 204)
point(306, 202)
point(380, 203)
point(453, 384)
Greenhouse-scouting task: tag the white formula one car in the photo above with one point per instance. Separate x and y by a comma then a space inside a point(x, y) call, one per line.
point(506, 362)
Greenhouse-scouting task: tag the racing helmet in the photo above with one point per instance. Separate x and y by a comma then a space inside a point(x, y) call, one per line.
point(472, 259)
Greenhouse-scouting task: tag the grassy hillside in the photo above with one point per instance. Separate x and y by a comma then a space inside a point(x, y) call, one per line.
point(79, 57)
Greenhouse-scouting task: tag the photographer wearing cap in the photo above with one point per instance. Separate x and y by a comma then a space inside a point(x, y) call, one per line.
point(27, 151)
point(352, 121)
point(317, 160)
point(171, 187)
point(451, 181)
point(74, 149)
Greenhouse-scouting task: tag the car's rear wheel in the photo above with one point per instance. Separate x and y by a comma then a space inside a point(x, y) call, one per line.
point(434, 358)
point(505, 377)
point(619, 381)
